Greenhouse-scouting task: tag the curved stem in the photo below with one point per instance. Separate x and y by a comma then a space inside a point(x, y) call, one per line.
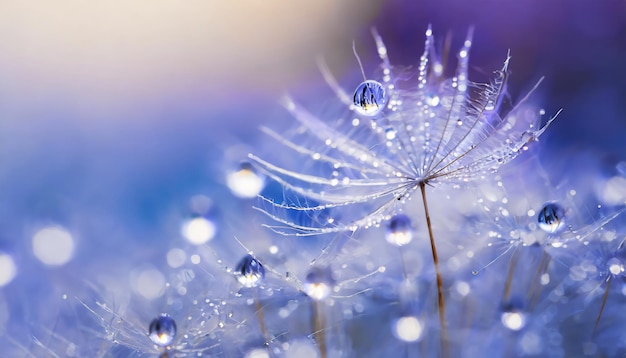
point(440, 300)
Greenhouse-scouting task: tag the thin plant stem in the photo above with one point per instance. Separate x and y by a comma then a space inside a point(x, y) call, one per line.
point(604, 298)
point(440, 299)
point(259, 313)
point(318, 328)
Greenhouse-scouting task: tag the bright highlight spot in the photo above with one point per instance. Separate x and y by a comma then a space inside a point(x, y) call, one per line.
point(53, 245)
point(408, 329)
point(245, 183)
point(513, 320)
point(7, 269)
point(198, 230)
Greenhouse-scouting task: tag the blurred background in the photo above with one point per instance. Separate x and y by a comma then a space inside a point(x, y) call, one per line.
point(114, 114)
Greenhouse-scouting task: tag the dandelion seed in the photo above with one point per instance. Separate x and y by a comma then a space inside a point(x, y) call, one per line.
point(446, 131)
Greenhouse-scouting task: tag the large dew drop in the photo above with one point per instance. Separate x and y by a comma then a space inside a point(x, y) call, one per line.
point(551, 217)
point(369, 98)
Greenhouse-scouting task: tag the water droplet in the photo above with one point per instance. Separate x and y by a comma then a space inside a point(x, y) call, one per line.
point(369, 98)
point(245, 182)
point(550, 218)
point(162, 330)
point(250, 272)
point(319, 283)
point(399, 231)
point(513, 317)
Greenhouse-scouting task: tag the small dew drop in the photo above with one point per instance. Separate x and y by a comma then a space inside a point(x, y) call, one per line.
point(319, 283)
point(399, 231)
point(250, 272)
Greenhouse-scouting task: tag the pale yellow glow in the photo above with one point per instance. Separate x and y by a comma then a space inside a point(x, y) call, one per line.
point(110, 53)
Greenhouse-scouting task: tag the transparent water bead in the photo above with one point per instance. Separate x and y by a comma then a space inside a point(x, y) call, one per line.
point(162, 330)
point(399, 231)
point(551, 217)
point(369, 98)
point(250, 272)
point(319, 283)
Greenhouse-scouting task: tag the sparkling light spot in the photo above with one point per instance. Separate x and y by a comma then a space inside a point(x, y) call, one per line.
point(513, 320)
point(198, 230)
point(245, 183)
point(53, 245)
point(408, 329)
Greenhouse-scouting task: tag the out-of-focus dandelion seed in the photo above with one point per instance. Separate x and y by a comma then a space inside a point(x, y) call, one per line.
point(162, 330)
point(551, 218)
point(199, 228)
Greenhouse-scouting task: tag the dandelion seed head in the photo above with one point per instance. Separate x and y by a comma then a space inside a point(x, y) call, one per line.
point(8, 270)
point(162, 330)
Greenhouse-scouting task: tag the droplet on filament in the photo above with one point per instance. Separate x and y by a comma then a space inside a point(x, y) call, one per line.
point(162, 330)
point(250, 272)
point(369, 98)
point(551, 217)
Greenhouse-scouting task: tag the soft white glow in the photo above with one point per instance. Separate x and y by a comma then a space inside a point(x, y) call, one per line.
point(513, 320)
point(245, 183)
point(150, 283)
point(7, 269)
point(198, 230)
point(616, 266)
point(53, 245)
point(176, 258)
point(301, 349)
point(408, 329)
point(316, 290)
point(257, 353)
